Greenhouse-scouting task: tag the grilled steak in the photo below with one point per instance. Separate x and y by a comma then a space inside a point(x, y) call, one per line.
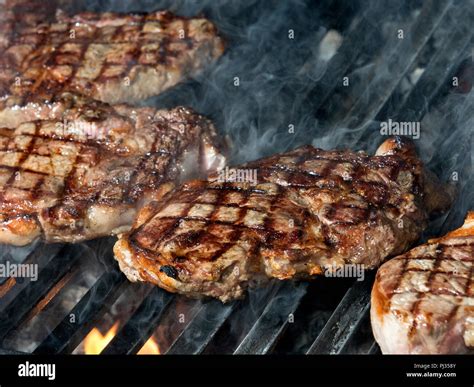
point(83, 176)
point(423, 301)
point(18, 14)
point(310, 211)
point(109, 57)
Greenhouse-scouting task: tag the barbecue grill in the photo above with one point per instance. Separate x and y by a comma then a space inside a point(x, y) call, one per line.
point(408, 61)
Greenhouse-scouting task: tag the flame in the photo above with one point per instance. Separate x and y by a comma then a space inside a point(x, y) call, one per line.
point(150, 348)
point(95, 342)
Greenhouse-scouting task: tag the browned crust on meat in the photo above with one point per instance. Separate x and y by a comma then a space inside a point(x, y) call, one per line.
point(311, 210)
point(433, 287)
point(380, 301)
point(77, 184)
point(22, 228)
point(110, 57)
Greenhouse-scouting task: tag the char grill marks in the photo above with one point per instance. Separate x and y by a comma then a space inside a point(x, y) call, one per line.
point(427, 296)
point(71, 186)
point(311, 210)
point(110, 57)
point(17, 14)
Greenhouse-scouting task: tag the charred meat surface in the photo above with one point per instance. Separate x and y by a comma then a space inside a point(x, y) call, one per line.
point(83, 174)
point(423, 301)
point(109, 57)
point(309, 211)
point(16, 14)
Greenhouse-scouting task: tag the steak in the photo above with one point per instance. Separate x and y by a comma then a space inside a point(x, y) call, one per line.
point(109, 57)
point(17, 14)
point(423, 301)
point(309, 212)
point(83, 174)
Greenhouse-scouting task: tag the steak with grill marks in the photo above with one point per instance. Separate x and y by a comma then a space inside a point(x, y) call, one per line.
point(84, 174)
point(309, 211)
point(423, 301)
point(109, 57)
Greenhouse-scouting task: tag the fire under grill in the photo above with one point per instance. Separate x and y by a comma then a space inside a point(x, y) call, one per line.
point(408, 62)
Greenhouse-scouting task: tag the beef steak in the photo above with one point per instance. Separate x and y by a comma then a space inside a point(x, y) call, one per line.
point(109, 57)
point(309, 211)
point(423, 301)
point(83, 174)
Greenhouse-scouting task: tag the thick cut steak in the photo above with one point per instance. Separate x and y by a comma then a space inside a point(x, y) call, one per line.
point(423, 301)
point(310, 210)
point(109, 57)
point(84, 174)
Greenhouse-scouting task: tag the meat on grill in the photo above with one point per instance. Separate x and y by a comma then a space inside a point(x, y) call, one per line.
point(109, 57)
point(84, 174)
point(17, 14)
point(423, 301)
point(310, 211)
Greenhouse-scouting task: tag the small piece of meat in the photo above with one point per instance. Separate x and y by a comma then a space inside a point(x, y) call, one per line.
point(309, 211)
point(423, 301)
point(109, 57)
point(83, 174)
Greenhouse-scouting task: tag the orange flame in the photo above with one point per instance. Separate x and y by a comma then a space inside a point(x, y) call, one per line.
point(95, 342)
point(150, 348)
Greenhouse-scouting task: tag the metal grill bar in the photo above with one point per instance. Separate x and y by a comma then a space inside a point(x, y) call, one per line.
point(374, 349)
point(233, 317)
point(442, 65)
point(202, 329)
point(21, 254)
point(273, 321)
point(455, 216)
point(25, 301)
point(361, 37)
point(139, 327)
point(67, 335)
point(9, 352)
point(344, 321)
point(362, 339)
point(398, 62)
point(40, 256)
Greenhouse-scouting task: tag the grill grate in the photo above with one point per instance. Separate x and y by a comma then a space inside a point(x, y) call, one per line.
point(18, 310)
point(139, 328)
point(345, 321)
point(273, 321)
point(347, 329)
point(202, 329)
point(68, 334)
point(398, 60)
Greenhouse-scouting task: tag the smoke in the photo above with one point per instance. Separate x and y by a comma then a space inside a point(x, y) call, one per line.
point(260, 93)
point(254, 92)
point(448, 149)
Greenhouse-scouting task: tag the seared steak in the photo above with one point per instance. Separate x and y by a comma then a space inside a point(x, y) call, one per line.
point(17, 14)
point(83, 175)
point(109, 57)
point(310, 211)
point(423, 301)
